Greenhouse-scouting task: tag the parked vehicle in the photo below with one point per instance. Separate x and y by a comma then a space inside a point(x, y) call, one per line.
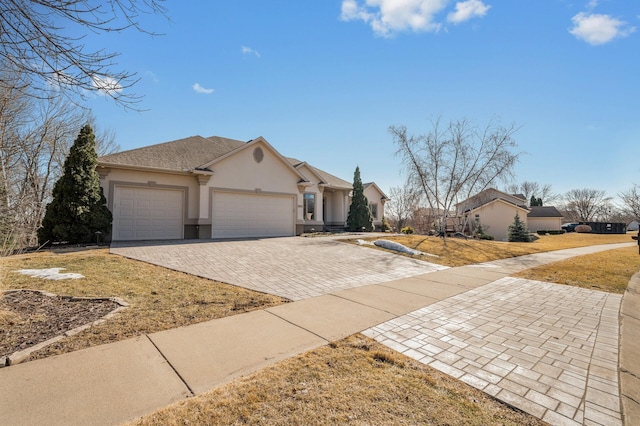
point(570, 227)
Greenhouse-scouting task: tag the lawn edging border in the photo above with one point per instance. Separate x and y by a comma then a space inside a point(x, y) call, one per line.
point(20, 356)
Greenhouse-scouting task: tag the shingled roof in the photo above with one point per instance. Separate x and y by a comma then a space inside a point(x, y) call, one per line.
point(193, 153)
point(180, 155)
point(543, 211)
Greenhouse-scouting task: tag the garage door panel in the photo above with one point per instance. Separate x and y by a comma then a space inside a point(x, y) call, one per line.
point(146, 213)
point(238, 215)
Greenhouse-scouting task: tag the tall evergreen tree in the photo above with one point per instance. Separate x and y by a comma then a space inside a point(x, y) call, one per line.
point(518, 232)
point(78, 209)
point(535, 201)
point(359, 217)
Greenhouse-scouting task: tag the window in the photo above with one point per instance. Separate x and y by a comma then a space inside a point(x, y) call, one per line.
point(477, 218)
point(374, 210)
point(309, 206)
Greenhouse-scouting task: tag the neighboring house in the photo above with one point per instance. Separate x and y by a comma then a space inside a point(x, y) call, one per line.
point(544, 218)
point(633, 226)
point(221, 188)
point(493, 209)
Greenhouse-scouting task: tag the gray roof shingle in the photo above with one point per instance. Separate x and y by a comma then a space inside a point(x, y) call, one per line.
point(192, 153)
point(543, 211)
point(180, 155)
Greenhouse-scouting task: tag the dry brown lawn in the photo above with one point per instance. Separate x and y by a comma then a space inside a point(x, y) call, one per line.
point(354, 381)
point(159, 298)
point(460, 252)
point(608, 271)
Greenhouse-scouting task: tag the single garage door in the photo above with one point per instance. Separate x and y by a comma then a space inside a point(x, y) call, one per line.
point(147, 214)
point(239, 215)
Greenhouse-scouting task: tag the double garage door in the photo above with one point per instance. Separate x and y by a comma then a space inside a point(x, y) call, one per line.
point(158, 214)
point(243, 215)
point(147, 214)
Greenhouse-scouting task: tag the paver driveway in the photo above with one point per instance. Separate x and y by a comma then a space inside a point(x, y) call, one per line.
point(294, 267)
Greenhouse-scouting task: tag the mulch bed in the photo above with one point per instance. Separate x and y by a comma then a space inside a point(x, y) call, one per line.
point(33, 317)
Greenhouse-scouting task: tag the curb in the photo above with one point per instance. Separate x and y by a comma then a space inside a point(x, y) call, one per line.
point(629, 349)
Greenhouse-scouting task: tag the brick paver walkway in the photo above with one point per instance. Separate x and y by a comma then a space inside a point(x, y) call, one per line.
point(548, 349)
point(295, 268)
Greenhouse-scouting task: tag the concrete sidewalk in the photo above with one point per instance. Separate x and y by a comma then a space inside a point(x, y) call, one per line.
point(113, 383)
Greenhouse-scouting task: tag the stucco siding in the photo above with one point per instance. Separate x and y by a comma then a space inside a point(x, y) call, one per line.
point(544, 223)
point(496, 218)
point(120, 177)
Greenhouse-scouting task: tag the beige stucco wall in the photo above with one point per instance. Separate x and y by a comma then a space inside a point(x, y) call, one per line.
point(147, 179)
point(375, 197)
point(544, 224)
point(496, 217)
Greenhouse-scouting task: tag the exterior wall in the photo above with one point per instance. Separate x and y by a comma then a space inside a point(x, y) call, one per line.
point(241, 172)
point(536, 224)
point(496, 217)
point(375, 197)
point(109, 178)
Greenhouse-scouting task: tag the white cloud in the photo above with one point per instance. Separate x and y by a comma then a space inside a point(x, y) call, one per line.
point(249, 51)
point(389, 16)
point(598, 29)
point(199, 89)
point(106, 85)
point(466, 10)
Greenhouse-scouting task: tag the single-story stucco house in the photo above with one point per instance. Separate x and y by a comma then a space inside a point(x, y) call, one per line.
point(496, 210)
point(216, 187)
point(493, 209)
point(544, 218)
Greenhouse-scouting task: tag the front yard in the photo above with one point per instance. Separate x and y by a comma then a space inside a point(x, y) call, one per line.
point(354, 381)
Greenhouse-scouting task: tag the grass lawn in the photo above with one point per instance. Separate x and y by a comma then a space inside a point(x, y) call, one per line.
point(460, 252)
point(608, 271)
point(159, 298)
point(353, 381)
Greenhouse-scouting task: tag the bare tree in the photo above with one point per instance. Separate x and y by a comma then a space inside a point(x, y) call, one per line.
point(631, 201)
point(534, 189)
point(34, 38)
point(35, 137)
point(453, 163)
point(586, 205)
point(404, 202)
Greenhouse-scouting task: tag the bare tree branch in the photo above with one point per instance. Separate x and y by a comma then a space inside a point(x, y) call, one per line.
point(34, 40)
point(458, 162)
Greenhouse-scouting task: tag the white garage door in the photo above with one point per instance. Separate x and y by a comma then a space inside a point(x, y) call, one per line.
point(147, 214)
point(237, 215)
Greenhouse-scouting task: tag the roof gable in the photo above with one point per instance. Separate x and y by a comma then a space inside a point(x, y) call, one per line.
point(251, 144)
point(499, 201)
point(487, 196)
point(374, 185)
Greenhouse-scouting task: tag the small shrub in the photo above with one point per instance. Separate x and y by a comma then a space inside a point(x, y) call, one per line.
point(481, 234)
point(384, 226)
point(542, 232)
point(584, 229)
point(407, 230)
point(556, 232)
point(517, 231)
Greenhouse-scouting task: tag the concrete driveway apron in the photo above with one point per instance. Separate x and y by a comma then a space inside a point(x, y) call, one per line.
point(295, 268)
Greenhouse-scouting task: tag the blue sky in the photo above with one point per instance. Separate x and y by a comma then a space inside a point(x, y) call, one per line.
point(322, 81)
